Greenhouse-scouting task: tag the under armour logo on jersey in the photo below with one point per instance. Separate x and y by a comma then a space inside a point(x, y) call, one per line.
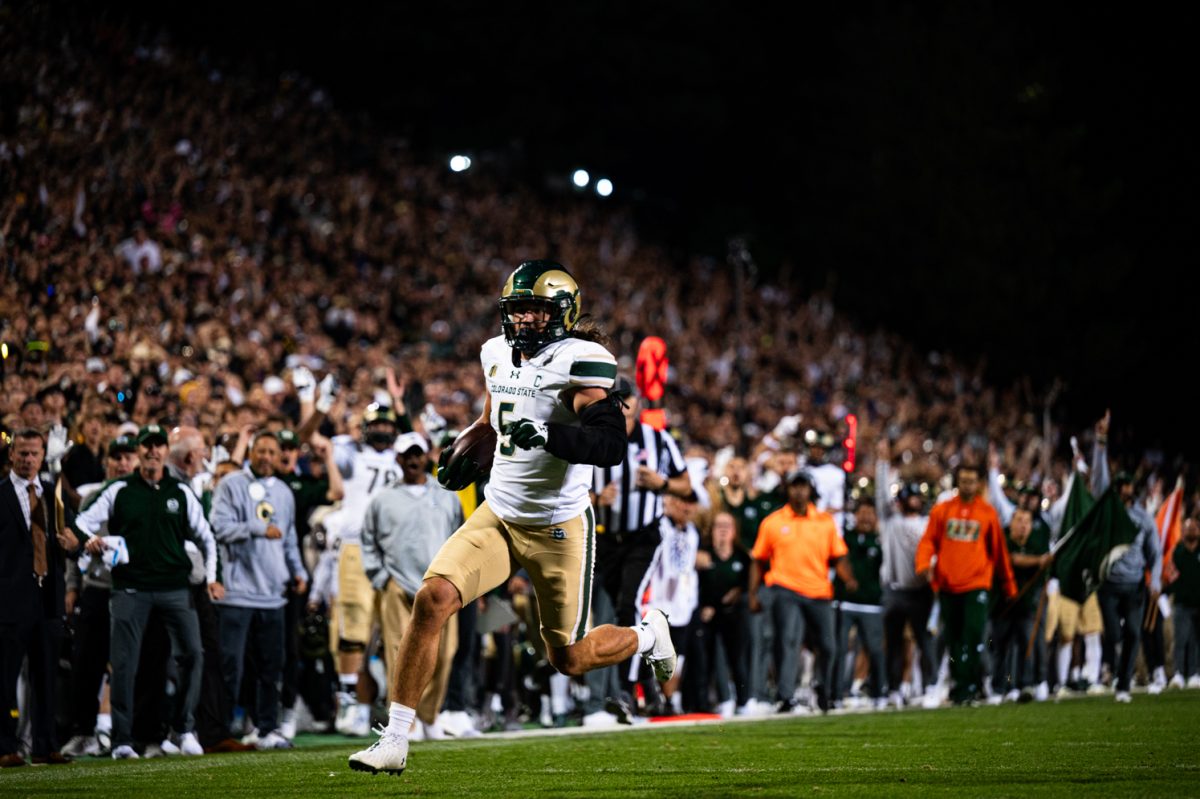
point(515, 374)
point(558, 534)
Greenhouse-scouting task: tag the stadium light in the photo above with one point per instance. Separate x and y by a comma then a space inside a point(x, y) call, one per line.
point(604, 187)
point(580, 178)
point(460, 163)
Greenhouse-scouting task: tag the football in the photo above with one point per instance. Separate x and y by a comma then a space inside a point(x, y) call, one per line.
point(477, 444)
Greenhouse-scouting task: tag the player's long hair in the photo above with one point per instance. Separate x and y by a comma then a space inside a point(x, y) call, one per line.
point(588, 329)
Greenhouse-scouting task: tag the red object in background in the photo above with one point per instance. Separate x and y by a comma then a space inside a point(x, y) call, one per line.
point(851, 442)
point(651, 379)
point(652, 363)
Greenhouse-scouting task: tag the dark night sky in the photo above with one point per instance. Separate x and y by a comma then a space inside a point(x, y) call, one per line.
point(993, 178)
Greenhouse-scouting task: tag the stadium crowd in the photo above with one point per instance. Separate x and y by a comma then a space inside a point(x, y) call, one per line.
point(254, 322)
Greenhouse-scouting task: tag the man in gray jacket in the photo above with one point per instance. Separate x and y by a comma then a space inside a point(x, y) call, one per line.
point(254, 520)
point(1122, 595)
point(405, 526)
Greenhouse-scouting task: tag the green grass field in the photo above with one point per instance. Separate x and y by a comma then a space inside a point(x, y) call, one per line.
point(1086, 747)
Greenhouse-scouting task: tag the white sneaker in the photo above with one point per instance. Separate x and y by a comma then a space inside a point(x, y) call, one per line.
point(1194, 681)
point(287, 723)
point(1155, 688)
point(1012, 696)
point(458, 724)
point(1042, 692)
point(388, 755)
point(344, 719)
point(250, 738)
point(189, 746)
point(1176, 681)
point(1062, 693)
point(273, 740)
point(726, 709)
point(601, 718)
point(168, 747)
point(124, 752)
point(152, 751)
point(896, 699)
point(1123, 697)
point(1098, 689)
point(881, 703)
point(80, 744)
point(434, 732)
point(995, 699)
point(932, 699)
point(662, 656)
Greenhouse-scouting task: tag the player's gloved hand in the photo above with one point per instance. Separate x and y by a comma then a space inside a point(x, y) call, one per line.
point(455, 474)
point(528, 434)
point(328, 391)
point(305, 383)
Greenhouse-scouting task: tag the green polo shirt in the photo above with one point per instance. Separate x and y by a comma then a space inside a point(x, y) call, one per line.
point(866, 559)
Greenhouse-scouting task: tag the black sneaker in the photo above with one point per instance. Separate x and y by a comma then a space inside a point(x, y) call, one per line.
point(620, 707)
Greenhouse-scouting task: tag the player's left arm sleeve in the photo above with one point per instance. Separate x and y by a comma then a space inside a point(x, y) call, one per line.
point(202, 534)
point(1003, 561)
point(291, 546)
point(599, 440)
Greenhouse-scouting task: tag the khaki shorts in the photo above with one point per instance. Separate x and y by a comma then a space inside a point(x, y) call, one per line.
point(357, 605)
point(559, 559)
point(1068, 617)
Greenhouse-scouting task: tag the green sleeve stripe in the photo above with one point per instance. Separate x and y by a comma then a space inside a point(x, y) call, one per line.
point(594, 369)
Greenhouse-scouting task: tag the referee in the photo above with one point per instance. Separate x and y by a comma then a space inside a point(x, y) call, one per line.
point(629, 508)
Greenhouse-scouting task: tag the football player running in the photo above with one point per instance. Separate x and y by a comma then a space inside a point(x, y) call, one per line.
point(548, 397)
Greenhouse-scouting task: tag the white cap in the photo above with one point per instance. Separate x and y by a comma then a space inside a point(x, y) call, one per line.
point(274, 385)
point(406, 441)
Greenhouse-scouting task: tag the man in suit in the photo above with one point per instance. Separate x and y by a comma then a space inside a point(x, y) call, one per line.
point(33, 551)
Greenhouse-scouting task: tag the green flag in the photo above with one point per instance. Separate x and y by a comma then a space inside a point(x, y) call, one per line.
point(1099, 532)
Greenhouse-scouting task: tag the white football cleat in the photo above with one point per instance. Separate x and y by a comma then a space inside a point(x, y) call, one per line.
point(1193, 681)
point(662, 656)
point(1042, 692)
point(168, 747)
point(1123, 697)
point(1176, 682)
point(388, 755)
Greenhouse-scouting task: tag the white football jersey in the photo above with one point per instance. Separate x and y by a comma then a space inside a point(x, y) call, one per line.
point(530, 486)
point(365, 473)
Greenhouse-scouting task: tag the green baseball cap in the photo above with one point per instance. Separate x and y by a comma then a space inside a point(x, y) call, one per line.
point(151, 434)
point(288, 439)
point(122, 444)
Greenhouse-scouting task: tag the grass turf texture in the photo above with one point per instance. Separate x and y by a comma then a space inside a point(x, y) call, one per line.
point(1086, 747)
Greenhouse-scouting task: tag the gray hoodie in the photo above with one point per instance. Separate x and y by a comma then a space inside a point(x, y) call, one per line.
point(256, 569)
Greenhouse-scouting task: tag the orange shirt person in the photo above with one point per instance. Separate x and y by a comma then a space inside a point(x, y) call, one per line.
point(798, 544)
point(962, 550)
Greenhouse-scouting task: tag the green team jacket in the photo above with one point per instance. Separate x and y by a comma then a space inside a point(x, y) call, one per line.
point(155, 520)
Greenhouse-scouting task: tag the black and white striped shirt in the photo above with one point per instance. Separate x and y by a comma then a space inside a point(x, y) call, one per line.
point(634, 508)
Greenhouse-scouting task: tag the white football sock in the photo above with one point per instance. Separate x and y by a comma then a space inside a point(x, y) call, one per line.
point(1091, 657)
point(1064, 663)
point(400, 719)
